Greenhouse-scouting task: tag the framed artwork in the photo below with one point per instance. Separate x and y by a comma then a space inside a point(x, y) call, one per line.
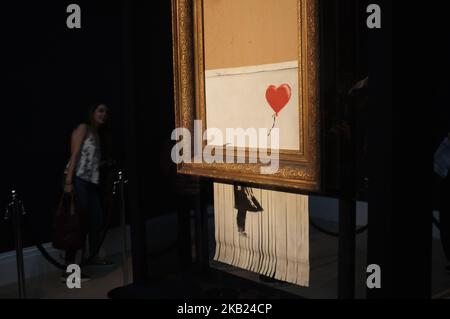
point(246, 91)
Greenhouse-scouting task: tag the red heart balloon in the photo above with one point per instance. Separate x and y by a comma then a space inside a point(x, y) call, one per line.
point(278, 97)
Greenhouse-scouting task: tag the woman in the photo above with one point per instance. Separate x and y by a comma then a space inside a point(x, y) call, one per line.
point(83, 175)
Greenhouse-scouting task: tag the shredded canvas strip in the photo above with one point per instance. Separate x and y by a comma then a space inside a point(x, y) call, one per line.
point(266, 232)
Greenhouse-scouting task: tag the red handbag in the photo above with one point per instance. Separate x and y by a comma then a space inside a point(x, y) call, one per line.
point(68, 232)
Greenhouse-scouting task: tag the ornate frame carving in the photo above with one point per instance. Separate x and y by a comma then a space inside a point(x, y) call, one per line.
point(299, 170)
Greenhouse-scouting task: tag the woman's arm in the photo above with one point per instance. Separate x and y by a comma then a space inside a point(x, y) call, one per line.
point(78, 136)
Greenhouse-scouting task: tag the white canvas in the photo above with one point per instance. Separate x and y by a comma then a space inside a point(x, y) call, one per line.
point(236, 98)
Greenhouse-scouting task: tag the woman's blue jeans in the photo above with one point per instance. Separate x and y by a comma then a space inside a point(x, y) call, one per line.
point(87, 199)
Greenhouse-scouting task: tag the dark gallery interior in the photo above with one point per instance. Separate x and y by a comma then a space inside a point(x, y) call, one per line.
point(93, 95)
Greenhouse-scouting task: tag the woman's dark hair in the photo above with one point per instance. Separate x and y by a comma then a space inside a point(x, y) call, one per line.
point(104, 131)
point(90, 113)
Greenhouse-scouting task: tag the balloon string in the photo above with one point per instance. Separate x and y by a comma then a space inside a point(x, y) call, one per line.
point(273, 125)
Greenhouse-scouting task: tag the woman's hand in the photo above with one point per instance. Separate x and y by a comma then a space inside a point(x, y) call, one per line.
point(68, 188)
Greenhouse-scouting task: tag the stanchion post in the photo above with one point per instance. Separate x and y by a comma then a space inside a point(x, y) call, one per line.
point(123, 224)
point(347, 249)
point(16, 211)
point(201, 231)
point(347, 211)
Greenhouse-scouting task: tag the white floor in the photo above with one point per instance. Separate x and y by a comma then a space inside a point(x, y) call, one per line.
point(323, 250)
point(50, 286)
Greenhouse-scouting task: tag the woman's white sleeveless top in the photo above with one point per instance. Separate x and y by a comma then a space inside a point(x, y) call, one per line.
point(88, 165)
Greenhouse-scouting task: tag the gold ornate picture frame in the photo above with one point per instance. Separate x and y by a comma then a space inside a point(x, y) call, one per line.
point(299, 166)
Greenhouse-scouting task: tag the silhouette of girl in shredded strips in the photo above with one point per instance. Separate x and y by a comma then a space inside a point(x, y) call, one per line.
point(244, 201)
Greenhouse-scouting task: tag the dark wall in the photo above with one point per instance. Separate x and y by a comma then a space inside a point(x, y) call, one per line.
point(49, 76)
point(343, 62)
point(154, 102)
point(438, 84)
